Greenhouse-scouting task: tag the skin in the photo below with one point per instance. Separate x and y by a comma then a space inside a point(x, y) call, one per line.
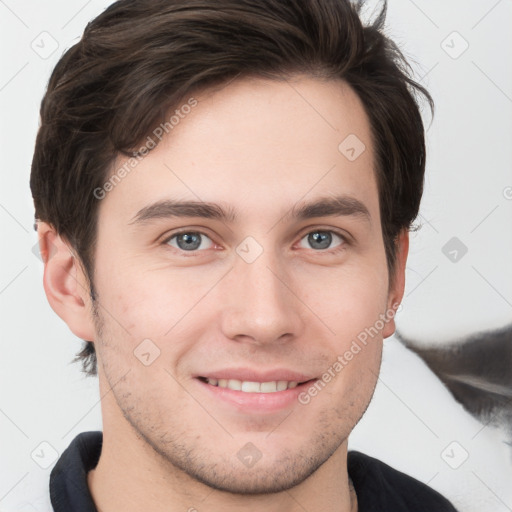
point(256, 147)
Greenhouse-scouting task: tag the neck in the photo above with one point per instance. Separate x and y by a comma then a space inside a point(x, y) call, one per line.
point(131, 476)
point(132, 479)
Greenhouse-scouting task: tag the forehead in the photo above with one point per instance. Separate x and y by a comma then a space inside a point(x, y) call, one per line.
point(259, 146)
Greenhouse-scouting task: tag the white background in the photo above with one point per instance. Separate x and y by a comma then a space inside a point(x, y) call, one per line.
point(412, 419)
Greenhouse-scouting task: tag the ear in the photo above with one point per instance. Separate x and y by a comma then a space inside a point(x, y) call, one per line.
point(65, 283)
point(397, 282)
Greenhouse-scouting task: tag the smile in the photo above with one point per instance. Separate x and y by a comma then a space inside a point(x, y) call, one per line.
point(251, 386)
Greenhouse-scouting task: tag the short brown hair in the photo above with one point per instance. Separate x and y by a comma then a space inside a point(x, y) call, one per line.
point(139, 58)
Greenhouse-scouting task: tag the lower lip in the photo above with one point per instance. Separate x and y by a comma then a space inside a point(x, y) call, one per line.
point(257, 402)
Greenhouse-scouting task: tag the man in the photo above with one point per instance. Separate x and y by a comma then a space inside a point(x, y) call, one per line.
point(223, 194)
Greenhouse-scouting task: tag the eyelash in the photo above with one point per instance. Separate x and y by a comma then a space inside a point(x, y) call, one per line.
point(339, 248)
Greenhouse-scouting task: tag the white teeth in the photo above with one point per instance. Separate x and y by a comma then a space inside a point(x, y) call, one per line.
point(282, 385)
point(268, 387)
point(253, 387)
point(234, 384)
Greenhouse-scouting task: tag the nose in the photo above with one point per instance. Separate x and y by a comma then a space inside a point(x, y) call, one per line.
point(261, 302)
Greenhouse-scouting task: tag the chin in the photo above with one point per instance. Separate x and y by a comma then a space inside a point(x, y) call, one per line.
point(274, 469)
point(270, 478)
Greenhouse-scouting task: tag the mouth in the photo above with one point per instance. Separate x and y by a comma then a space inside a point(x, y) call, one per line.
point(254, 391)
point(247, 386)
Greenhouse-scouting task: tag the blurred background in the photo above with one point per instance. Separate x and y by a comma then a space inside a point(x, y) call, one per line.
point(457, 310)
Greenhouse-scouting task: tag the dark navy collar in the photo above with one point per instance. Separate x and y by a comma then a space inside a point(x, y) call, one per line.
point(379, 487)
point(69, 491)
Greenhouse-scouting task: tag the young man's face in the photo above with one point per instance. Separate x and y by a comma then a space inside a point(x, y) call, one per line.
point(261, 295)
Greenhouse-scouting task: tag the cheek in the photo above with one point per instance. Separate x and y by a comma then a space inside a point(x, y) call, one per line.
point(149, 302)
point(355, 368)
point(157, 312)
point(349, 299)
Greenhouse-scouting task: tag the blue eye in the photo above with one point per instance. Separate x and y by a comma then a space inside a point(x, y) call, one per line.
point(190, 241)
point(194, 241)
point(320, 240)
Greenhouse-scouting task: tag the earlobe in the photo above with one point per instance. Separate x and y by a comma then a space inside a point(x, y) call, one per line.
point(397, 284)
point(65, 283)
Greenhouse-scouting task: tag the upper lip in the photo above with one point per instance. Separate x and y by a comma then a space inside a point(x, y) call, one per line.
point(251, 375)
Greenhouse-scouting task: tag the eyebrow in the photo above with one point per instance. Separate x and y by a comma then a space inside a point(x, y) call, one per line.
point(172, 208)
point(340, 206)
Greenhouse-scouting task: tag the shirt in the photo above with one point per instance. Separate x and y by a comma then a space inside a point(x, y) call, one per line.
point(379, 487)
